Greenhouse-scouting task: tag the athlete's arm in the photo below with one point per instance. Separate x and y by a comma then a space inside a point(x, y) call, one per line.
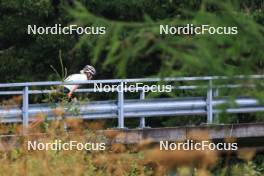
point(73, 89)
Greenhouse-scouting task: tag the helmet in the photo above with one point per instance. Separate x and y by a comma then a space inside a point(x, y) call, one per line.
point(88, 69)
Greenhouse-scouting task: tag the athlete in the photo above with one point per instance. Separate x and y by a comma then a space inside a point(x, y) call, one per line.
point(85, 74)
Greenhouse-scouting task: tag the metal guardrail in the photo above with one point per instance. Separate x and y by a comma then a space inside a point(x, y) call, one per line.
point(136, 108)
point(141, 108)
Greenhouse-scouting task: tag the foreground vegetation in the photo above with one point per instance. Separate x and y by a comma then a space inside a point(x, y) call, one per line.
point(118, 159)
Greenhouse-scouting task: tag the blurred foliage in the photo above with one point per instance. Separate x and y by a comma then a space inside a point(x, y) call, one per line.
point(140, 44)
point(132, 38)
point(118, 159)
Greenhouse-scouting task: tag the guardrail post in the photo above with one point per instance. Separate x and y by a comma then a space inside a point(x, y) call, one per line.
point(142, 119)
point(25, 109)
point(216, 94)
point(209, 102)
point(121, 121)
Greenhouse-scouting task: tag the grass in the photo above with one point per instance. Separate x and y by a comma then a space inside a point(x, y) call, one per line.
point(118, 159)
